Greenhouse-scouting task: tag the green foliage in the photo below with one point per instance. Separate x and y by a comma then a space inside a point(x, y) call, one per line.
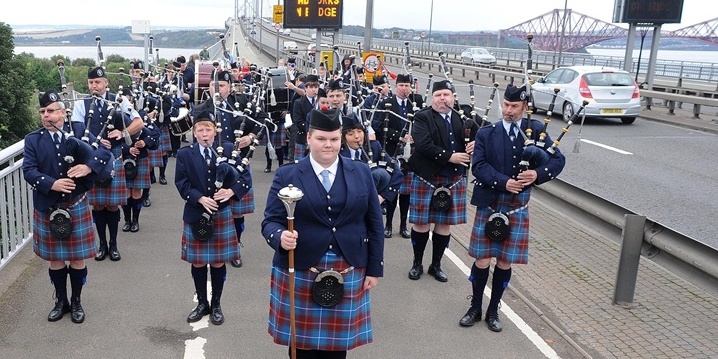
point(16, 116)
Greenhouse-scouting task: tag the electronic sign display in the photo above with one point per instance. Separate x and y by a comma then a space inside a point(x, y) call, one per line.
point(313, 14)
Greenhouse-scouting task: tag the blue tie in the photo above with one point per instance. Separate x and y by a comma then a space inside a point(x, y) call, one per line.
point(512, 131)
point(57, 140)
point(207, 156)
point(325, 180)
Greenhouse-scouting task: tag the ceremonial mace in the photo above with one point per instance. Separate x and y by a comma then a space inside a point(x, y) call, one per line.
point(290, 195)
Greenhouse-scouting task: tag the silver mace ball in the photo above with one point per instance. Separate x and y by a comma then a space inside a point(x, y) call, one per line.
point(290, 195)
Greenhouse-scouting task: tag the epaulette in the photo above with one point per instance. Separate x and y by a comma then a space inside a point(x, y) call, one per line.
point(38, 132)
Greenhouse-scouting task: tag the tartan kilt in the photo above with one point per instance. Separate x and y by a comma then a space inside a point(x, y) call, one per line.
point(299, 150)
point(143, 175)
point(113, 195)
point(342, 327)
point(81, 243)
point(420, 210)
point(405, 188)
point(245, 204)
point(514, 249)
point(222, 247)
point(155, 158)
point(277, 138)
point(165, 144)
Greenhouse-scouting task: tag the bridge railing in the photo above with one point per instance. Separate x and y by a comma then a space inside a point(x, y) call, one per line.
point(15, 203)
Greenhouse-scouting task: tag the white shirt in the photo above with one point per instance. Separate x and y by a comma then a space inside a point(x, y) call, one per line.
point(319, 168)
point(507, 126)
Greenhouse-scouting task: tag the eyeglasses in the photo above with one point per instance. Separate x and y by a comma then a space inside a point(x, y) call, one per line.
point(50, 111)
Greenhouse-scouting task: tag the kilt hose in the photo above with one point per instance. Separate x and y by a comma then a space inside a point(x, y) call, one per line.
point(514, 249)
point(420, 210)
point(143, 175)
point(222, 247)
point(113, 195)
point(342, 327)
point(78, 246)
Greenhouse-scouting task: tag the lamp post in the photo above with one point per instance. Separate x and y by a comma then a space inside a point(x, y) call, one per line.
point(431, 20)
point(563, 31)
point(644, 31)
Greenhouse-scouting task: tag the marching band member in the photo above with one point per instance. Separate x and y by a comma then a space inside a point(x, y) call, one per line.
point(195, 178)
point(338, 232)
point(403, 103)
point(439, 186)
point(502, 188)
point(60, 180)
point(380, 93)
point(353, 137)
point(300, 110)
point(137, 167)
point(173, 84)
point(229, 103)
point(106, 201)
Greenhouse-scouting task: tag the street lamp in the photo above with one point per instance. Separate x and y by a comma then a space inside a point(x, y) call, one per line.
point(431, 20)
point(563, 32)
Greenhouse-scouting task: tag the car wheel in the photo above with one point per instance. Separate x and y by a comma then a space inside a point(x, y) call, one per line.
point(567, 111)
point(627, 120)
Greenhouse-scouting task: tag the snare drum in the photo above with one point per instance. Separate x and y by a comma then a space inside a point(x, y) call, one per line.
point(181, 124)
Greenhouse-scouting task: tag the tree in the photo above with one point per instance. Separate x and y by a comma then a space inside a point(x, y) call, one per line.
point(16, 93)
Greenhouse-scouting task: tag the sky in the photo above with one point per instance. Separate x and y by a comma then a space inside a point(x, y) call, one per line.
point(447, 15)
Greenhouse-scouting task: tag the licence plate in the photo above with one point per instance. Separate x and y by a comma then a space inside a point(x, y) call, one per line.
point(611, 110)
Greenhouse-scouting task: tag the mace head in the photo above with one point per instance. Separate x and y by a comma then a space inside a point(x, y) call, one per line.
point(290, 195)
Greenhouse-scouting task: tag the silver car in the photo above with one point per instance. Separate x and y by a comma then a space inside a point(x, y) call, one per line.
point(610, 92)
point(478, 55)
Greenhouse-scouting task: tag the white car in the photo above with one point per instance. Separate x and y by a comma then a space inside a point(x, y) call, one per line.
point(311, 48)
point(478, 55)
point(287, 32)
point(290, 45)
point(610, 92)
point(314, 36)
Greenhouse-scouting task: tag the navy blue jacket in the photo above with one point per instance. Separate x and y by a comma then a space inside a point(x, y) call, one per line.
point(496, 160)
point(43, 164)
point(358, 229)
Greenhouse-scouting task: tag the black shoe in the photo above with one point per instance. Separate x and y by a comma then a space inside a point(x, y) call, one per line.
point(101, 253)
point(405, 233)
point(216, 317)
point(236, 263)
point(135, 226)
point(163, 180)
point(198, 312)
point(387, 231)
point(267, 170)
point(492, 319)
point(114, 254)
point(146, 202)
point(436, 272)
point(416, 271)
point(185, 140)
point(471, 317)
point(77, 313)
point(61, 308)
point(126, 227)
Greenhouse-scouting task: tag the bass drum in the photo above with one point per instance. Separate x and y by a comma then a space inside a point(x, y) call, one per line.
point(181, 124)
point(202, 77)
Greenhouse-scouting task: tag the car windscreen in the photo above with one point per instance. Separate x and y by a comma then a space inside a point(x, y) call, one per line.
point(608, 79)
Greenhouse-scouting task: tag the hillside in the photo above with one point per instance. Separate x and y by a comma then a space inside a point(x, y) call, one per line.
point(195, 38)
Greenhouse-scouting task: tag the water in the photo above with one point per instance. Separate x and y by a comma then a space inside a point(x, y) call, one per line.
point(75, 52)
point(670, 55)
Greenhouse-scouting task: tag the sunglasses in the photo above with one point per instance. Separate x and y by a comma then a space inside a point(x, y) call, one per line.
point(50, 111)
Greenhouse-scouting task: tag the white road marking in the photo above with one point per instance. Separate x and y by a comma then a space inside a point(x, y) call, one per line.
point(520, 324)
point(194, 348)
point(606, 147)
